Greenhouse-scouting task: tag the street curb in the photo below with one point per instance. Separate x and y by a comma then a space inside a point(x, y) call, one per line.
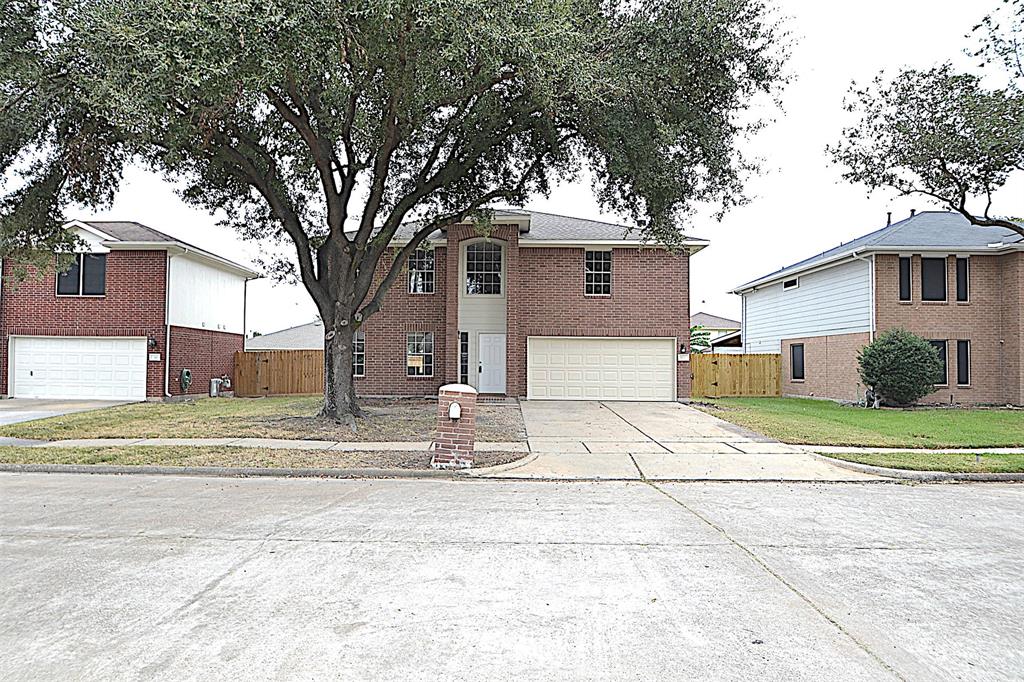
point(231, 472)
point(922, 476)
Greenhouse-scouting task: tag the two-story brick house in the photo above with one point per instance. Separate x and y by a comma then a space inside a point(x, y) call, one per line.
point(543, 306)
point(135, 308)
point(958, 285)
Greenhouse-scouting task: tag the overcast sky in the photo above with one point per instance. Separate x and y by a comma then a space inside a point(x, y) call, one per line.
point(800, 205)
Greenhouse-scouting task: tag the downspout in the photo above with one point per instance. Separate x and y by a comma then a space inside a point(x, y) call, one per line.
point(167, 326)
point(871, 287)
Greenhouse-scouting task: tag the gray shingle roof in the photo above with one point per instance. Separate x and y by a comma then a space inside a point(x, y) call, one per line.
point(129, 231)
point(713, 321)
point(553, 227)
point(928, 229)
point(303, 337)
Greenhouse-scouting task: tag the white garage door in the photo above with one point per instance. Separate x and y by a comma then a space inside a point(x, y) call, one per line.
point(69, 367)
point(571, 368)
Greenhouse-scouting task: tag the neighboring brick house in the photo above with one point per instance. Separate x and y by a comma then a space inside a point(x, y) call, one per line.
point(102, 329)
point(934, 274)
point(545, 307)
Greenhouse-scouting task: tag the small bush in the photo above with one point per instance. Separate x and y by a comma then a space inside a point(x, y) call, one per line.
point(900, 367)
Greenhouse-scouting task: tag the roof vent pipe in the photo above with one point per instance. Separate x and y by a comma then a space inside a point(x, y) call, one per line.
point(912, 212)
point(888, 219)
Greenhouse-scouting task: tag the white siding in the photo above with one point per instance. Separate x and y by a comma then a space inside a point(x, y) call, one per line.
point(481, 314)
point(205, 297)
point(93, 244)
point(833, 301)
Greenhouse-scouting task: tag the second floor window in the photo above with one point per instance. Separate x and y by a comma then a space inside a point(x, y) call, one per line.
point(963, 287)
point(421, 272)
point(598, 273)
point(933, 279)
point(904, 278)
point(483, 268)
point(87, 276)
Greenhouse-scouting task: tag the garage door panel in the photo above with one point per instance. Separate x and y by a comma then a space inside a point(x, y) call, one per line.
point(69, 367)
point(572, 368)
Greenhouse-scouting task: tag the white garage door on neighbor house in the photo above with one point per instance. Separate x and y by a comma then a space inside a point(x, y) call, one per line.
point(573, 368)
point(95, 368)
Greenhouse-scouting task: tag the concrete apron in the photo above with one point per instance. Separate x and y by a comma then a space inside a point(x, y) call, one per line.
point(591, 440)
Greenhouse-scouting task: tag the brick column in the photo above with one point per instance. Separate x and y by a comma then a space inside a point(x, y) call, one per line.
point(453, 446)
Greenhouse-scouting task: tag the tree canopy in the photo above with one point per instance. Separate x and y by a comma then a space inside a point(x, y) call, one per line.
point(324, 125)
point(941, 133)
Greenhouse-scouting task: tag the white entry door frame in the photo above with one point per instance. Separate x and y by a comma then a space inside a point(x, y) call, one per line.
point(491, 364)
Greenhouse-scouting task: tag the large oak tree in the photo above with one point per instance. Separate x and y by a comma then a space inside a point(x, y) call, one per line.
point(324, 125)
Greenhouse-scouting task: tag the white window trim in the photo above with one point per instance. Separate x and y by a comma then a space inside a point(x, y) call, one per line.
point(464, 266)
point(970, 363)
point(791, 279)
point(611, 273)
point(956, 299)
point(433, 271)
point(81, 278)
point(355, 339)
point(433, 357)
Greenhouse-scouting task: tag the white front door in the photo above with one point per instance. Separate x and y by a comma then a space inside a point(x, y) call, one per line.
point(492, 364)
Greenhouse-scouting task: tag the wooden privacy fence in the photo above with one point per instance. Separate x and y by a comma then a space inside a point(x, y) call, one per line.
point(718, 375)
point(278, 372)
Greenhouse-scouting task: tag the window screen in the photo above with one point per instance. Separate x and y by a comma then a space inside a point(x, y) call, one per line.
point(904, 278)
point(933, 279)
point(796, 356)
point(598, 272)
point(86, 276)
point(943, 377)
point(483, 268)
point(963, 270)
point(69, 281)
point(963, 363)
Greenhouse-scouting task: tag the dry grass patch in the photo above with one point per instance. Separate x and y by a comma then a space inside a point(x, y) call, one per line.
point(292, 417)
point(225, 456)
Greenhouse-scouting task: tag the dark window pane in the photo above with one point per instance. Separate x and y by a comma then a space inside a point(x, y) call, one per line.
point(69, 280)
point(943, 376)
point(464, 357)
point(904, 279)
point(597, 269)
point(963, 362)
point(962, 275)
point(933, 279)
point(419, 358)
point(796, 354)
point(421, 272)
point(94, 274)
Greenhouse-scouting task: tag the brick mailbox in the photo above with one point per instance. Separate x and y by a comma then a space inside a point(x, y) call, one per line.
point(456, 427)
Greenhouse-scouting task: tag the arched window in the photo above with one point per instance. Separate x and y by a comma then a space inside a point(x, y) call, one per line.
point(483, 268)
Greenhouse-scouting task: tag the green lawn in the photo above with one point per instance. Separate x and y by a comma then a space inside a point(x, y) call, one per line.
point(281, 417)
point(958, 463)
point(821, 422)
point(226, 456)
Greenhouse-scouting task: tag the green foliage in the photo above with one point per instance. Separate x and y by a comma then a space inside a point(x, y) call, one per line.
point(700, 339)
point(324, 125)
point(939, 134)
point(900, 367)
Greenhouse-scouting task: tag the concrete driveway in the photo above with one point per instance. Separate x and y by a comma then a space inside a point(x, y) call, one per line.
point(657, 441)
point(137, 577)
point(17, 410)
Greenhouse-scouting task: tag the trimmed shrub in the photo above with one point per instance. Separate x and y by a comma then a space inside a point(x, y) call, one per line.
point(900, 367)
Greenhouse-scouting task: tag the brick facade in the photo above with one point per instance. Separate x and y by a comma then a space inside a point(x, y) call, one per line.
point(133, 305)
point(989, 320)
point(830, 367)
point(544, 296)
point(207, 354)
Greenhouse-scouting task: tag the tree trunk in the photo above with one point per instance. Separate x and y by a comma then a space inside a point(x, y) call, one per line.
point(339, 388)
